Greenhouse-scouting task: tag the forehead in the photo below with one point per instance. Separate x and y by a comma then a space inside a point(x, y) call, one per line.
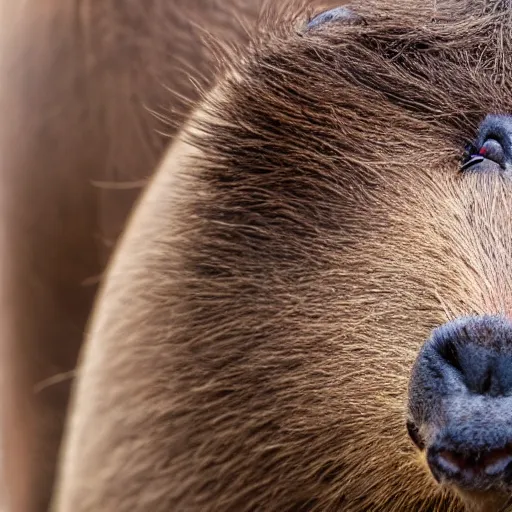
point(317, 119)
point(440, 67)
point(333, 136)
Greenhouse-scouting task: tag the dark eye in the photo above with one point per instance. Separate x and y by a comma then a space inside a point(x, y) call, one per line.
point(490, 153)
point(336, 14)
point(493, 150)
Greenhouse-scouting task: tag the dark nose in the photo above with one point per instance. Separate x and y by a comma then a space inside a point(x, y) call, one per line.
point(460, 402)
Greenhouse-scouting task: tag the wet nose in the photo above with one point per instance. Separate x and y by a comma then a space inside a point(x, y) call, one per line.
point(460, 402)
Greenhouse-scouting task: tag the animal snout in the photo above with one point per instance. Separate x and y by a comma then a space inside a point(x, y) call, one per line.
point(460, 403)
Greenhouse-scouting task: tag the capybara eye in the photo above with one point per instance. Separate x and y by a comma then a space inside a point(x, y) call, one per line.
point(490, 151)
point(336, 14)
point(470, 158)
point(493, 150)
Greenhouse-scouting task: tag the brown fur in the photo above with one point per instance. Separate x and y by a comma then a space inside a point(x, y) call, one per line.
point(252, 344)
point(79, 85)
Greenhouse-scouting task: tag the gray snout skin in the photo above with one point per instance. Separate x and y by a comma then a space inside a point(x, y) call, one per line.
point(460, 407)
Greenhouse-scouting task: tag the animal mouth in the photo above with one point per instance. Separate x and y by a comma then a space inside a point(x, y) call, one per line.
point(464, 469)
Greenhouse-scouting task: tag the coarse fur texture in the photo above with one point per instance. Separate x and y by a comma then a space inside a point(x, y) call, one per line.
point(253, 341)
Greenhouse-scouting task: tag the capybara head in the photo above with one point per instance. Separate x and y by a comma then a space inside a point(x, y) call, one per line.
point(322, 311)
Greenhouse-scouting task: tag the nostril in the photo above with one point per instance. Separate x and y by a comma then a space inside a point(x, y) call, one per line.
point(486, 383)
point(474, 365)
point(448, 351)
point(474, 355)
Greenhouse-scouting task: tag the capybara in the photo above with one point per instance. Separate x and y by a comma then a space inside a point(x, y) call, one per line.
point(310, 307)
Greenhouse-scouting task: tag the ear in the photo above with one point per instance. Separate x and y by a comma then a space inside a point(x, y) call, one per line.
point(338, 14)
